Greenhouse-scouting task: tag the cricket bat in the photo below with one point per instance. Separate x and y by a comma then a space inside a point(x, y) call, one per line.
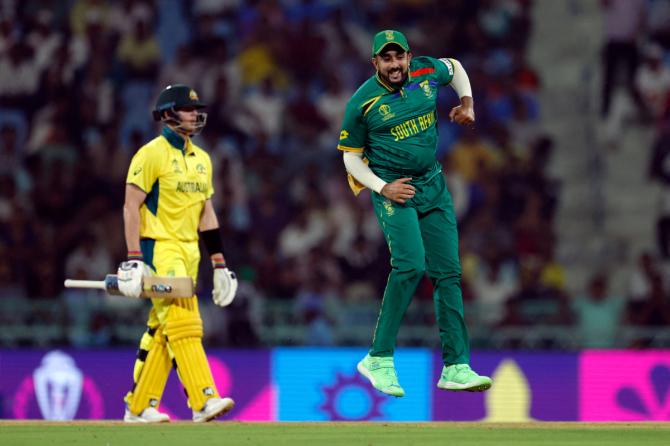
point(153, 286)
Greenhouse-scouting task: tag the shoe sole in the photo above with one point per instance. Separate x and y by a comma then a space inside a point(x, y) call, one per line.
point(366, 373)
point(469, 387)
point(139, 420)
point(224, 410)
point(145, 421)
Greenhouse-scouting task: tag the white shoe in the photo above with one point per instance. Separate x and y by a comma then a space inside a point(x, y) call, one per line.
point(214, 407)
point(148, 415)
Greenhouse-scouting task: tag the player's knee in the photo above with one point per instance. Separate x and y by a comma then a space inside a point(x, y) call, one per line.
point(445, 278)
point(183, 328)
point(411, 269)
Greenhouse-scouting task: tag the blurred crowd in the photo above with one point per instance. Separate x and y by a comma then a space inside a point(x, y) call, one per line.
point(636, 61)
point(78, 80)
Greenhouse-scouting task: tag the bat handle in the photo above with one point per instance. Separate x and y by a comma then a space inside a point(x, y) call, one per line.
point(93, 284)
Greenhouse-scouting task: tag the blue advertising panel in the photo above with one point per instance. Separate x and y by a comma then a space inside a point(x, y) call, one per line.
point(323, 384)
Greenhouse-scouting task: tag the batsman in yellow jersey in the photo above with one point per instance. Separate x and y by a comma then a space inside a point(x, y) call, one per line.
point(167, 209)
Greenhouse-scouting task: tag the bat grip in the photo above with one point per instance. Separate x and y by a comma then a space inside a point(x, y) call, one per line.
point(110, 284)
point(93, 284)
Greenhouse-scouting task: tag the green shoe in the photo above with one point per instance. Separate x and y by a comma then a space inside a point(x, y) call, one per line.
point(381, 373)
point(462, 377)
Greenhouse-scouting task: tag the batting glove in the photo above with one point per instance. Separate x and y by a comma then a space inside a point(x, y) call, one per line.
point(225, 286)
point(130, 274)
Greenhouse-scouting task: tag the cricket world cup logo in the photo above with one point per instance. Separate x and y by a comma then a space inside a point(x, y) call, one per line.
point(58, 386)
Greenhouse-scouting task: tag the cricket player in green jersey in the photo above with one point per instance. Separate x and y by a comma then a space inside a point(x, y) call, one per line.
point(389, 139)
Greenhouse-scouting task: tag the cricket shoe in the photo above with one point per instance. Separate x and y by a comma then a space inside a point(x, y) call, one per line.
point(214, 407)
point(148, 415)
point(380, 371)
point(459, 377)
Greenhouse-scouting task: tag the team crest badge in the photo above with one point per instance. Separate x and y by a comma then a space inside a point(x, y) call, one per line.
point(344, 135)
point(200, 169)
point(193, 95)
point(389, 35)
point(427, 90)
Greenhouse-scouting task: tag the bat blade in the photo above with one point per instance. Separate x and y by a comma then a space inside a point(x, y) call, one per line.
point(168, 287)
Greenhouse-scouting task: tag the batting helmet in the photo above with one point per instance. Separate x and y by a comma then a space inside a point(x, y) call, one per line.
point(175, 97)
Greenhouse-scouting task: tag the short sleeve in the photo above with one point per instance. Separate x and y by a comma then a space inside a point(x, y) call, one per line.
point(143, 171)
point(353, 133)
point(444, 70)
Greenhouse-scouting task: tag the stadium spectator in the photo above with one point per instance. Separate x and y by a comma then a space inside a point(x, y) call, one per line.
point(598, 314)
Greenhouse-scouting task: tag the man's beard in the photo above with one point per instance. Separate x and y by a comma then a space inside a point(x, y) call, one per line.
point(394, 85)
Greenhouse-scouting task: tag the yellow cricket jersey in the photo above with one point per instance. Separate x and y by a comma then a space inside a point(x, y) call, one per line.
point(177, 177)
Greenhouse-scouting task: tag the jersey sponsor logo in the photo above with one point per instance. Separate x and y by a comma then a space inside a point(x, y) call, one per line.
point(137, 171)
point(449, 65)
point(344, 135)
point(385, 111)
point(191, 186)
point(413, 126)
point(200, 169)
point(161, 288)
point(427, 90)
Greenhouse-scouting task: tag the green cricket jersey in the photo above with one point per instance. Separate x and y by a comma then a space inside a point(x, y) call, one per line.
point(396, 129)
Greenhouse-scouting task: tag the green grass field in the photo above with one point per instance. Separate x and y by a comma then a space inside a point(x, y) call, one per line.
point(35, 433)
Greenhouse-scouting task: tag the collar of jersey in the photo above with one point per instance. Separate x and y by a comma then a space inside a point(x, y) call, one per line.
point(391, 89)
point(176, 140)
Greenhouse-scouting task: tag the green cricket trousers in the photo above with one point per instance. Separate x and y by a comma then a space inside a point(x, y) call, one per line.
point(423, 238)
